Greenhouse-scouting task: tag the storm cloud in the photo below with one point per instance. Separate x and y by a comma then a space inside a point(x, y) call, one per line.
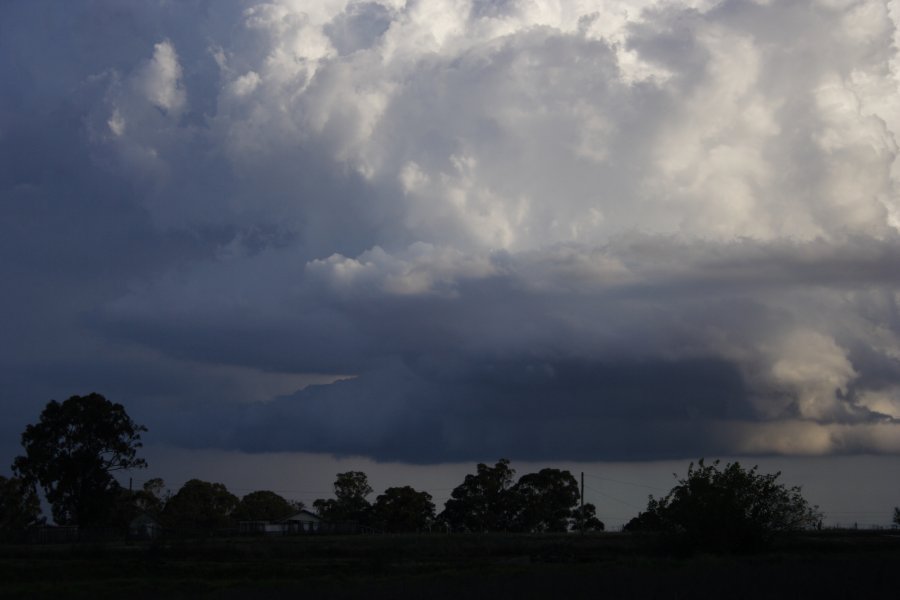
point(445, 230)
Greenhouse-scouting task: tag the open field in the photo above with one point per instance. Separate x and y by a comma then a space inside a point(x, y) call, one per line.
point(821, 565)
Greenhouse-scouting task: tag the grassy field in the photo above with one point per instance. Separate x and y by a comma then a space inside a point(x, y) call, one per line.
point(821, 565)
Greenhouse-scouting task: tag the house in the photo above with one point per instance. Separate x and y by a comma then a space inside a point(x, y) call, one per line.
point(301, 522)
point(261, 527)
point(144, 527)
point(304, 522)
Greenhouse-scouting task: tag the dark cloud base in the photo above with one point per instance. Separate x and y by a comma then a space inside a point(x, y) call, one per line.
point(570, 410)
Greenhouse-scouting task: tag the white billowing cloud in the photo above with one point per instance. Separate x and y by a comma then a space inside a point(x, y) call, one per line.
point(532, 123)
point(116, 123)
point(423, 269)
point(244, 85)
point(885, 402)
point(139, 119)
point(160, 79)
point(805, 438)
point(817, 370)
point(299, 45)
point(478, 182)
point(791, 437)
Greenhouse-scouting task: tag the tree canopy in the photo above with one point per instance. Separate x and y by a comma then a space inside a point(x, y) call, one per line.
point(263, 505)
point(585, 518)
point(489, 501)
point(543, 501)
point(403, 509)
point(482, 501)
point(152, 497)
point(727, 509)
point(20, 508)
point(72, 452)
point(349, 503)
point(200, 506)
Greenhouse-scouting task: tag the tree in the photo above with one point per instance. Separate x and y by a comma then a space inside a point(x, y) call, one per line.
point(73, 451)
point(263, 505)
point(896, 516)
point(403, 510)
point(544, 501)
point(349, 503)
point(482, 502)
point(647, 521)
point(200, 506)
point(728, 509)
point(152, 497)
point(586, 518)
point(20, 508)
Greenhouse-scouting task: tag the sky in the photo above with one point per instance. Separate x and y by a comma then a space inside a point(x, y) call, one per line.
point(294, 236)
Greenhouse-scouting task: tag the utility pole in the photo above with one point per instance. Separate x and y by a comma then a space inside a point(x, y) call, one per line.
point(129, 485)
point(581, 514)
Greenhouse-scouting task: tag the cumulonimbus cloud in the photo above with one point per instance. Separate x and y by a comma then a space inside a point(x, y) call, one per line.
point(583, 230)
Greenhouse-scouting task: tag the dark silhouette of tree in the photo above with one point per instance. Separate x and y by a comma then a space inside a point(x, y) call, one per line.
point(586, 519)
point(200, 507)
point(728, 509)
point(896, 516)
point(152, 497)
point(149, 499)
point(20, 508)
point(349, 503)
point(646, 521)
point(483, 501)
point(403, 509)
point(263, 505)
point(73, 451)
point(543, 501)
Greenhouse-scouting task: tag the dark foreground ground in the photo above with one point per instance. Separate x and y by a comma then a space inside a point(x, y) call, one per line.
point(462, 567)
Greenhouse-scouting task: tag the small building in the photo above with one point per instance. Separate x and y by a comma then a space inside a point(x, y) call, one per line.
point(303, 522)
point(261, 528)
point(144, 527)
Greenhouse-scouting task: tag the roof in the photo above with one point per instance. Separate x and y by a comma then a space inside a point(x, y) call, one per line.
point(304, 515)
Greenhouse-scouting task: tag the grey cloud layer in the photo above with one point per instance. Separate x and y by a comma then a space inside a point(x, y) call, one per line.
point(537, 229)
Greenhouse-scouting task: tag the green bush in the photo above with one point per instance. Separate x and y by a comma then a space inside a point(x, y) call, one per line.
point(731, 509)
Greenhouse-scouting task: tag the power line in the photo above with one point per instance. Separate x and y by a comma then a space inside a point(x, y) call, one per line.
point(619, 500)
point(293, 491)
point(649, 487)
point(280, 491)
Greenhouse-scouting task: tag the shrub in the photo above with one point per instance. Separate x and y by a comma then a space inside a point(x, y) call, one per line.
point(727, 509)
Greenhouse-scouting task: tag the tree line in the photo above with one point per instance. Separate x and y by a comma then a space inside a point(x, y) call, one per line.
point(74, 450)
point(488, 500)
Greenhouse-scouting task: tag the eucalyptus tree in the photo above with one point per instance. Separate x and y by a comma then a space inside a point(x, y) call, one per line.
point(73, 451)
